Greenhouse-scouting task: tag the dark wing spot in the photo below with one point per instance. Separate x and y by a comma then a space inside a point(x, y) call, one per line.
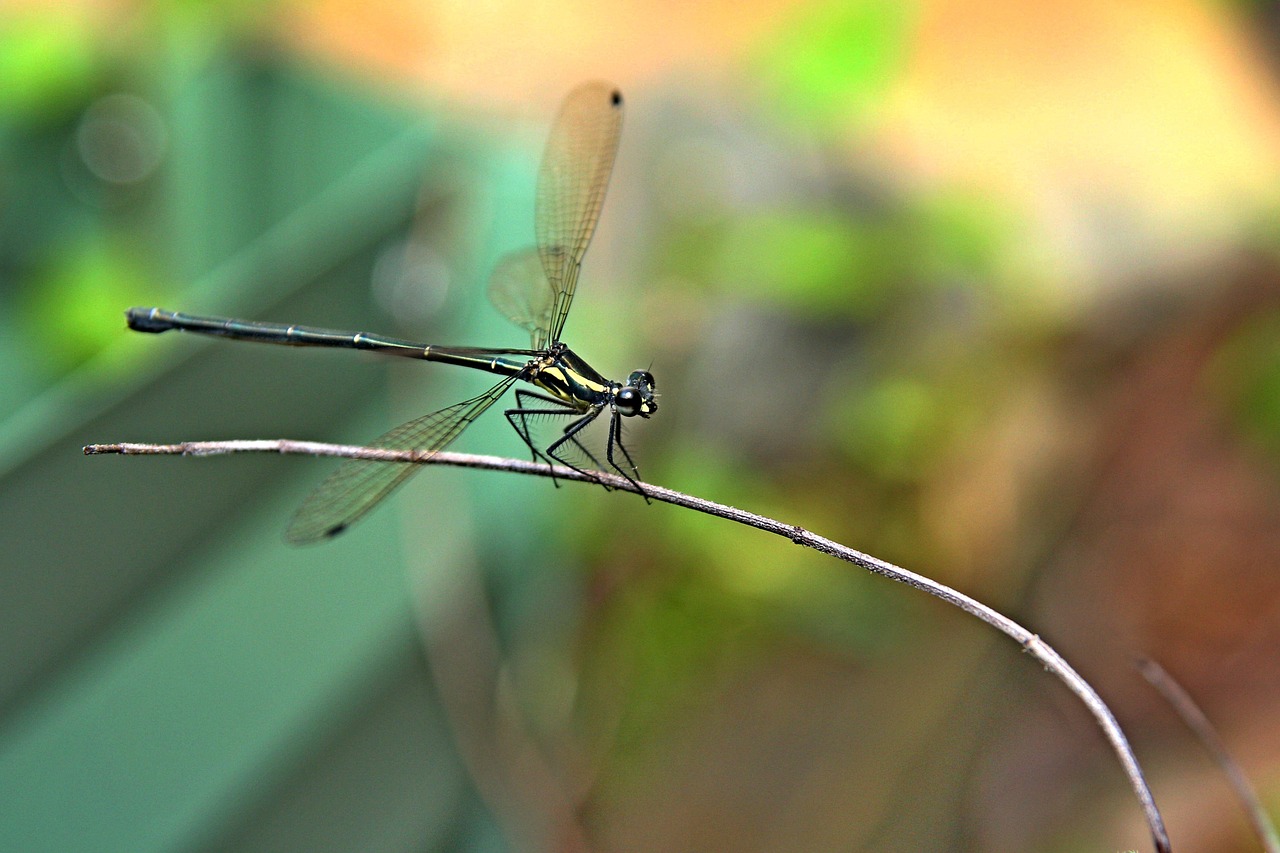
point(335, 530)
point(616, 98)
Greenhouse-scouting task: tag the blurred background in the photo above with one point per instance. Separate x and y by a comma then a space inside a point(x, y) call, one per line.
point(987, 289)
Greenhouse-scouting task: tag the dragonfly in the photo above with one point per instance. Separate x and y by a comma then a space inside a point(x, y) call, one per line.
point(534, 288)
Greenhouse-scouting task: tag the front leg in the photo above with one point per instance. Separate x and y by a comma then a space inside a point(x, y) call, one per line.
point(615, 440)
point(518, 417)
point(519, 420)
point(571, 434)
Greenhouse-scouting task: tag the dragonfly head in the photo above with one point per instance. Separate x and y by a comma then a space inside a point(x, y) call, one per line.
point(636, 396)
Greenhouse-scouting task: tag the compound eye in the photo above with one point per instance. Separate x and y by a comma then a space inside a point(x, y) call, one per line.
point(627, 402)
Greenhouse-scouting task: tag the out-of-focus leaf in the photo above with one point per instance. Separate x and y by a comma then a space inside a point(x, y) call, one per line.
point(76, 305)
point(892, 428)
point(794, 590)
point(672, 644)
point(1246, 374)
point(717, 599)
point(48, 63)
point(195, 27)
point(830, 66)
point(960, 235)
point(814, 262)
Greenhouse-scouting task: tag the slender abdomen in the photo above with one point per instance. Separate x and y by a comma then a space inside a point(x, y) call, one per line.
point(156, 320)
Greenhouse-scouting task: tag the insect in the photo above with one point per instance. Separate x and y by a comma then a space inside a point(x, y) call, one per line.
point(534, 288)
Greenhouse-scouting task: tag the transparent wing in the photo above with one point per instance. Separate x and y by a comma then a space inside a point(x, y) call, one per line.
point(571, 186)
point(359, 485)
point(521, 293)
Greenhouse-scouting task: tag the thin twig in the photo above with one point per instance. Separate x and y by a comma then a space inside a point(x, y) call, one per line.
point(1030, 642)
point(1204, 731)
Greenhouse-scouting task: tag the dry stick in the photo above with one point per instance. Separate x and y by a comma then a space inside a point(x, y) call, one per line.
point(1052, 661)
point(1204, 731)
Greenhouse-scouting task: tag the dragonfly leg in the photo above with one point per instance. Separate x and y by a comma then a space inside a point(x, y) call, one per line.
point(615, 440)
point(518, 418)
point(571, 434)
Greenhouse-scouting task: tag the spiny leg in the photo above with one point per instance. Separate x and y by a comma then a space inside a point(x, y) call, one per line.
point(519, 420)
point(570, 434)
point(569, 431)
point(615, 440)
point(517, 417)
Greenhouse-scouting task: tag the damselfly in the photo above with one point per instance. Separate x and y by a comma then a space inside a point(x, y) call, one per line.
point(534, 288)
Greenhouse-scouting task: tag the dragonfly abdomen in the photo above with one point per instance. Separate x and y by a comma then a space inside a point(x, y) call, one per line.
point(157, 320)
point(501, 362)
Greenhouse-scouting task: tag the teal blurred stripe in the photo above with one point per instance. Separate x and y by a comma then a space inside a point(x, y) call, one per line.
point(356, 209)
point(199, 700)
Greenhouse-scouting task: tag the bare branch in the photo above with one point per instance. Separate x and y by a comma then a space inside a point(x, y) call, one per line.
point(1052, 661)
point(1204, 731)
